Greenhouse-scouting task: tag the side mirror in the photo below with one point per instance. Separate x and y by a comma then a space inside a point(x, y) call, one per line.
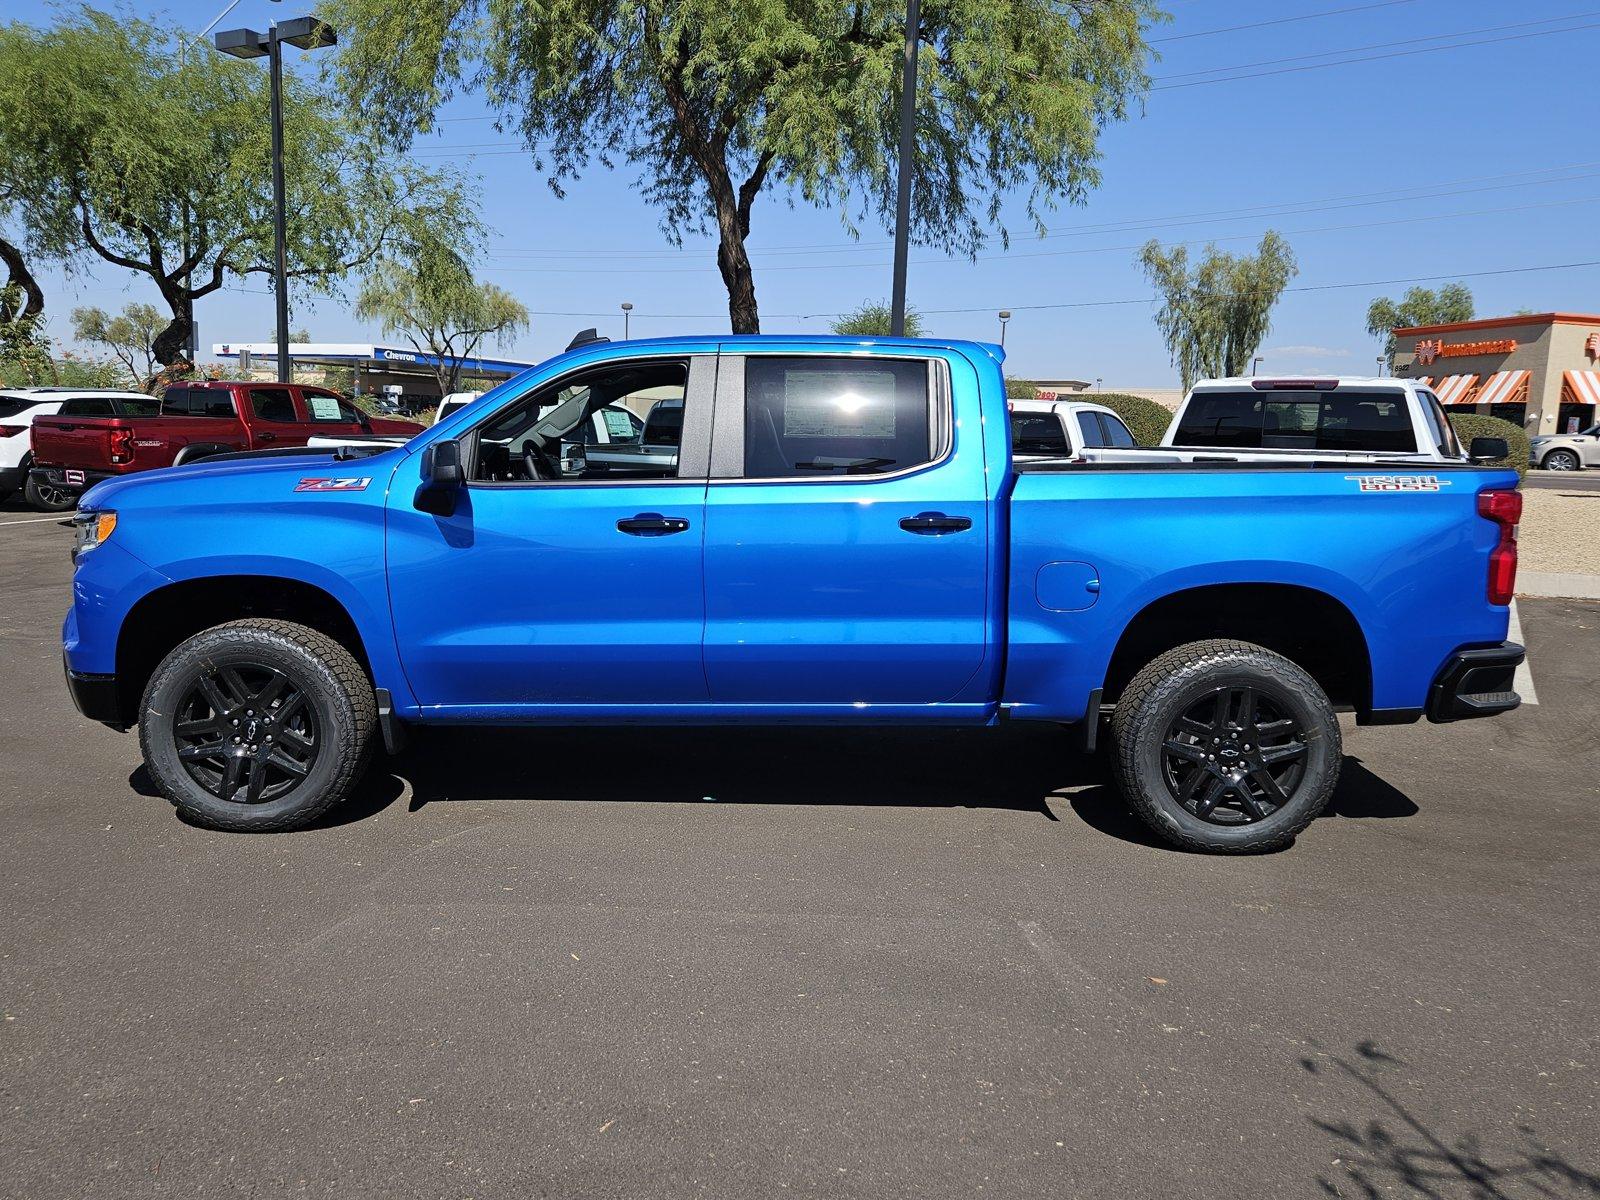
point(1488, 449)
point(442, 478)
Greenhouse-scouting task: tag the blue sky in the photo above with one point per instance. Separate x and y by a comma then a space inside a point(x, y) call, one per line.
point(1462, 147)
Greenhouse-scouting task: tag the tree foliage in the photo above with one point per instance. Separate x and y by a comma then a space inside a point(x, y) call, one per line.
point(874, 319)
point(129, 335)
point(116, 146)
point(1419, 306)
point(431, 299)
point(1215, 314)
point(712, 102)
point(1021, 389)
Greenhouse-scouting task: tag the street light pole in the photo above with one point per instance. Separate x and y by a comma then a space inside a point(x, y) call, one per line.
point(627, 310)
point(280, 233)
point(1255, 364)
point(308, 33)
point(1005, 315)
point(902, 207)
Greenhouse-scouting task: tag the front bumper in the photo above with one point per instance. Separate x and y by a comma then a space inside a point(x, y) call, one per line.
point(1476, 682)
point(96, 697)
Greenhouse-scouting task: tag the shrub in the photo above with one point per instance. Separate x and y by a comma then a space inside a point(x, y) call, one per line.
point(1020, 389)
point(1145, 419)
point(1470, 425)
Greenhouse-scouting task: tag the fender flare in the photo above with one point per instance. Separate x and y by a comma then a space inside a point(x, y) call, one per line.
point(195, 451)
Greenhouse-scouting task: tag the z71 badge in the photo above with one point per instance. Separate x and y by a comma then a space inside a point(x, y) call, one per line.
point(1400, 483)
point(348, 483)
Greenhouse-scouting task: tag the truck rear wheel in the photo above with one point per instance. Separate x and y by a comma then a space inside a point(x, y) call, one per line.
point(47, 497)
point(257, 725)
point(1225, 747)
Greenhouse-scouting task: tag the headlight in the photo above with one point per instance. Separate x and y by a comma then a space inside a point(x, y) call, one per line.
point(91, 528)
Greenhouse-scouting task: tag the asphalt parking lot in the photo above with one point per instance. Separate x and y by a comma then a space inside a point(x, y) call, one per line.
point(749, 963)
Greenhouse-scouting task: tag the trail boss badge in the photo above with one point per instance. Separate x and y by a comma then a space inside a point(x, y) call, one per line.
point(1400, 483)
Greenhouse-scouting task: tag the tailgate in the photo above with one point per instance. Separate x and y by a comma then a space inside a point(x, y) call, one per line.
point(83, 442)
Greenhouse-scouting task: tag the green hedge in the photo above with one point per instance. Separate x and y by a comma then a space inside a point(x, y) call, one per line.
point(1145, 419)
point(1471, 425)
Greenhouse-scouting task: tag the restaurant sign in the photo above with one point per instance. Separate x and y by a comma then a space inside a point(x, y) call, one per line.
point(1430, 349)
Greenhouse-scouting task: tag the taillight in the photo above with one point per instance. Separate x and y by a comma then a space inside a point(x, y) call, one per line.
point(1505, 510)
point(12, 430)
point(121, 445)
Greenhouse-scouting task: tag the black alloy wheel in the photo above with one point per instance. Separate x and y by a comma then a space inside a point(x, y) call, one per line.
point(245, 733)
point(1234, 757)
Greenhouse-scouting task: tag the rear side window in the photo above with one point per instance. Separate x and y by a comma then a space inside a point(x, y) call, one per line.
point(1037, 433)
point(273, 404)
point(1090, 432)
point(12, 407)
point(1294, 420)
point(807, 417)
point(88, 406)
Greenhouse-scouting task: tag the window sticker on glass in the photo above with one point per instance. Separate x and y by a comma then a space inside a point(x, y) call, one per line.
point(323, 408)
point(617, 423)
point(838, 404)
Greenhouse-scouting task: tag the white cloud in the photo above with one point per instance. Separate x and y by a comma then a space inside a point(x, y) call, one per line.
point(1306, 352)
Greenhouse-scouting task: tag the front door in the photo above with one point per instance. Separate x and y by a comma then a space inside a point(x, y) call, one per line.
point(556, 584)
point(846, 540)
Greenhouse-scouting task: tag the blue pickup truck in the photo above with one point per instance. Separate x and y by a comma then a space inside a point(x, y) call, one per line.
point(820, 531)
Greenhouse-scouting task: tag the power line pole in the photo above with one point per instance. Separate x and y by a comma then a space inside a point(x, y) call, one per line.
point(908, 122)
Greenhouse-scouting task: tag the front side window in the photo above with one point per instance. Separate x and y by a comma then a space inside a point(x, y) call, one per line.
point(1038, 433)
point(273, 404)
point(808, 417)
point(1117, 434)
point(556, 433)
point(328, 408)
point(1285, 419)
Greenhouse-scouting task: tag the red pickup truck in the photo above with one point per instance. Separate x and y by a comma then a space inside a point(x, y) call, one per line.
point(196, 421)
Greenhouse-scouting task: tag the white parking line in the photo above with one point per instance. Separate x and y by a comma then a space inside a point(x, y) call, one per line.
point(38, 520)
point(1523, 682)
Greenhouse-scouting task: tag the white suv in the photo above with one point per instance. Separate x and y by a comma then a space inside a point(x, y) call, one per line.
point(18, 408)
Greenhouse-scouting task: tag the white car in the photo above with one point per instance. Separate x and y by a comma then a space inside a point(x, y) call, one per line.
point(1566, 451)
point(452, 402)
point(18, 408)
point(1321, 417)
point(1075, 430)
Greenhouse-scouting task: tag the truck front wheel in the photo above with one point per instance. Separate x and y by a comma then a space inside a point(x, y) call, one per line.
point(1225, 747)
point(257, 725)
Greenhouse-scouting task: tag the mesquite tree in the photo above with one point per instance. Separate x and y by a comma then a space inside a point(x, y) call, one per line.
point(713, 101)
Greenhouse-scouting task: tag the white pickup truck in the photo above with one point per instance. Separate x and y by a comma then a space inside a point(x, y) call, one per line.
point(1322, 418)
point(1074, 430)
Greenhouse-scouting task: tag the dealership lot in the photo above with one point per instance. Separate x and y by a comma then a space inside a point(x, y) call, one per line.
point(744, 963)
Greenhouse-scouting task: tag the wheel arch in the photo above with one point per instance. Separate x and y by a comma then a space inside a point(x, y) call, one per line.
point(1306, 625)
point(196, 451)
point(163, 618)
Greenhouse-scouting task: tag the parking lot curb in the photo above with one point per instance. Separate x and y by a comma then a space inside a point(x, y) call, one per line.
point(1558, 584)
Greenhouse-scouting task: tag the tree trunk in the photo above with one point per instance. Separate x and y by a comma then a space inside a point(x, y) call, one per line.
point(171, 342)
point(17, 274)
point(734, 263)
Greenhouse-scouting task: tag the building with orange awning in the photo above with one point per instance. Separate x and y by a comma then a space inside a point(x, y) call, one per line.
point(1541, 370)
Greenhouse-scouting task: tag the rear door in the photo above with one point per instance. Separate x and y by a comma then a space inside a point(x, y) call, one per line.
point(847, 541)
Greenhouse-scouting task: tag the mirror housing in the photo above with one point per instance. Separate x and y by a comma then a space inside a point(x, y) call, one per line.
point(1488, 449)
point(442, 479)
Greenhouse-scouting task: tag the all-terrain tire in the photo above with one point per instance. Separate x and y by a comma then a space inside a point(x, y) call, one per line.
point(51, 500)
point(1170, 686)
point(335, 689)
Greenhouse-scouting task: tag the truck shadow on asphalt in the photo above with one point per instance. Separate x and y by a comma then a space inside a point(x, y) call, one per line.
point(1042, 771)
point(1391, 1150)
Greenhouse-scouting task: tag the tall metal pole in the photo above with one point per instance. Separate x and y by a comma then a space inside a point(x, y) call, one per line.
point(280, 247)
point(902, 208)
